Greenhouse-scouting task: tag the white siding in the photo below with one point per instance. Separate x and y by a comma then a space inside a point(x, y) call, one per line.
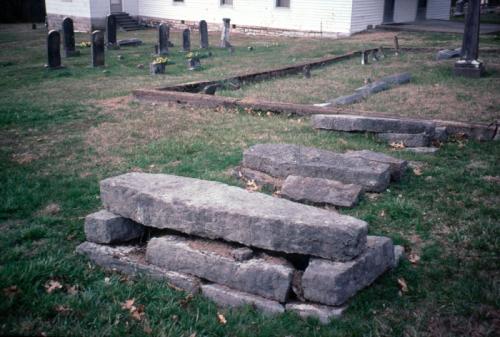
point(366, 12)
point(76, 8)
point(405, 10)
point(99, 8)
point(131, 7)
point(438, 9)
point(304, 15)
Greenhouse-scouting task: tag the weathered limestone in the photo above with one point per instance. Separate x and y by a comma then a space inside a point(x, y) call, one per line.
point(97, 49)
point(398, 166)
point(372, 88)
point(333, 283)
point(408, 139)
point(264, 276)
point(129, 260)
point(321, 191)
point(106, 227)
point(54, 50)
point(282, 160)
point(348, 99)
point(227, 297)
point(397, 79)
point(215, 210)
point(372, 124)
point(203, 34)
point(322, 312)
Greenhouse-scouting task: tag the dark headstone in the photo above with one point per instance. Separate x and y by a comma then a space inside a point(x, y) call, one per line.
point(226, 28)
point(33, 26)
point(396, 45)
point(111, 30)
point(194, 63)
point(469, 65)
point(203, 34)
point(364, 57)
point(306, 71)
point(186, 40)
point(54, 49)
point(373, 55)
point(69, 38)
point(97, 48)
point(163, 36)
point(210, 89)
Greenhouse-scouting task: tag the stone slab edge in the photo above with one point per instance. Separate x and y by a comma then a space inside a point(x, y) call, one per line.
point(323, 313)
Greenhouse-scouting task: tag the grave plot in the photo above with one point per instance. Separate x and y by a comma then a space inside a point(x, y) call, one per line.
point(234, 246)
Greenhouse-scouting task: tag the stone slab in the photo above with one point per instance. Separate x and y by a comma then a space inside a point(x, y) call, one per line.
point(397, 79)
point(321, 191)
point(333, 283)
point(282, 160)
point(130, 42)
point(129, 260)
point(446, 54)
point(227, 297)
point(261, 275)
point(422, 150)
point(352, 123)
point(372, 88)
point(323, 313)
point(399, 254)
point(215, 210)
point(398, 166)
point(408, 139)
point(106, 227)
point(346, 100)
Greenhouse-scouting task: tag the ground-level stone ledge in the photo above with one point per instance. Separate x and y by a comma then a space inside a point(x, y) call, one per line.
point(323, 313)
point(106, 227)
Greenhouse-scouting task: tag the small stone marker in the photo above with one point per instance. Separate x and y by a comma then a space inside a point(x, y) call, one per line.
point(98, 49)
point(380, 52)
point(469, 65)
point(106, 227)
point(364, 57)
point(163, 36)
point(203, 34)
point(321, 191)
point(111, 31)
point(186, 40)
point(224, 38)
point(54, 50)
point(398, 166)
point(396, 45)
point(446, 54)
point(306, 71)
point(69, 38)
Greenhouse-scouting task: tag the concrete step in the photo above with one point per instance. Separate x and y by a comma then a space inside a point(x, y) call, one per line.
point(215, 210)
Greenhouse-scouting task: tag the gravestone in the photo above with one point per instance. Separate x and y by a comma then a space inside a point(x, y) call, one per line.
point(224, 39)
point(186, 40)
point(396, 45)
point(54, 49)
point(364, 57)
point(69, 38)
point(469, 65)
point(163, 36)
point(203, 34)
point(97, 48)
point(306, 71)
point(111, 30)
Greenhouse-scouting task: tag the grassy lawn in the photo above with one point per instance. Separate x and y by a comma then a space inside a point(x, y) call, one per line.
point(63, 131)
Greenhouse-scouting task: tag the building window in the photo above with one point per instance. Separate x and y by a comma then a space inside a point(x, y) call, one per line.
point(283, 3)
point(226, 2)
point(178, 0)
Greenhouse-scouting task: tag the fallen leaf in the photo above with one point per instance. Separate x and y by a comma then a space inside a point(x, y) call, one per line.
point(52, 285)
point(147, 330)
point(185, 301)
point(402, 285)
point(397, 145)
point(342, 141)
point(128, 304)
point(382, 213)
point(72, 290)
point(138, 312)
point(194, 334)
point(62, 309)
point(107, 280)
point(11, 291)
point(220, 317)
point(252, 186)
point(417, 171)
point(414, 258)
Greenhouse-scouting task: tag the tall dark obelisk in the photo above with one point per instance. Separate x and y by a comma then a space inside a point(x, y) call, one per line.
point(469, 64)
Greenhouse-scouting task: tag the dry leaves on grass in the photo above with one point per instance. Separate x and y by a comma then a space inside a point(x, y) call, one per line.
point(222, 320)
point(251, 186)
point(62, 309)
point(51, 209)
point(402, 285)
point(417, 171)
point(414, 258)
point(11, 291)
point(136, 311)
point(186, 300)
point(52, 286)
point(397, 145)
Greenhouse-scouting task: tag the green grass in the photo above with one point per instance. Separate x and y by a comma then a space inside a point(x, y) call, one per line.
point(62, 132)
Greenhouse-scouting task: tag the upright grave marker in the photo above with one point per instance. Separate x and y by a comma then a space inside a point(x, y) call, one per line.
point(469, 65)
point(163, 36)
point(224, 38)
point(203, 34)
point(54, 49)
point(186, 40)
point(69, 38)
point(111, 31)
point(97, 48)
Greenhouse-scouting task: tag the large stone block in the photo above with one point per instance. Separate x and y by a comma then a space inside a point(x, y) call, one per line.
point(323, 313)
point(282, 160)
point(333, 283)
point(407, 139)
point(227, 297)
point(106, 227)
point(372, 124)
point(215, 210)
point(398, 166)
point(321, 191)
point(214, 261)
point(129, 260)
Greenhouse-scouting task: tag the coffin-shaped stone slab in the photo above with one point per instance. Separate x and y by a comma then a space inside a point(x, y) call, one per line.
point(106, 227)
point(323, 313)
point(215, 210)
point(129, 260)
point(333, 283)
point(282, 160)
point(321, 191)
point(227, 297)
point(214, 261)
point(407, 139)
point(371, 124)
point(397, 166)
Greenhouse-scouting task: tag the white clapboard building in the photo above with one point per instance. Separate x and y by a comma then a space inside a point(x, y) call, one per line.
point(292, 17)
